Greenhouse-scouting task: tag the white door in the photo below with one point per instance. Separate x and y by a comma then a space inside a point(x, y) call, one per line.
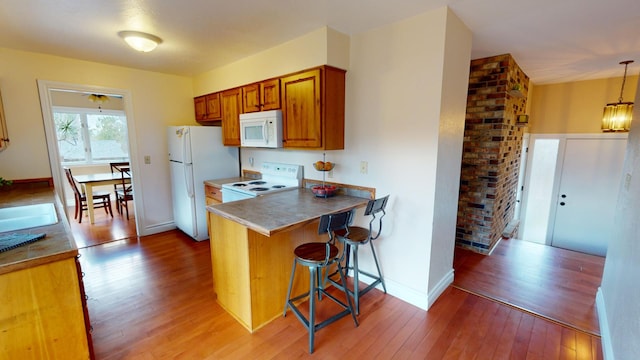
point(587, 195)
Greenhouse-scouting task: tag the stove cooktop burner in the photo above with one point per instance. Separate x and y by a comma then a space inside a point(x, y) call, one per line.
point(276, 177)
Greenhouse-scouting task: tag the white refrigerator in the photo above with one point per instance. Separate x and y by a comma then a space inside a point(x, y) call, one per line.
point(196, 154)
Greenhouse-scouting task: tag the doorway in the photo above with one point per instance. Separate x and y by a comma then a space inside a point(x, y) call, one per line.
point(98, 132)
point(571, 190)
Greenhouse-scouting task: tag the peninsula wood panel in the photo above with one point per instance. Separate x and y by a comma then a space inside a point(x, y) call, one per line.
point(42, 316)
point(230, 266)
point(271, 260)
point(251, 271)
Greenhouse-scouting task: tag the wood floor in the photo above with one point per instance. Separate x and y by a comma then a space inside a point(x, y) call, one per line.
point(555, 283)
point(104, 229)
point(152, 298)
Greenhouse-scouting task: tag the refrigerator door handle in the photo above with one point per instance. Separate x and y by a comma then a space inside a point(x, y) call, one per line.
point(186, 146)
point(188, 178)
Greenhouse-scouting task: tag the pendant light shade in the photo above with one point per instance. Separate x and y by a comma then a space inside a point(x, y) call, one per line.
point(617, 116)
point(140, 41)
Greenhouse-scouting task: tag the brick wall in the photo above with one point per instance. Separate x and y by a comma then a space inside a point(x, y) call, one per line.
point(491, 151)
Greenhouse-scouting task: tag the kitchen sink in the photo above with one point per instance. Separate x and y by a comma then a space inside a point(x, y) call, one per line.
point(27, 216)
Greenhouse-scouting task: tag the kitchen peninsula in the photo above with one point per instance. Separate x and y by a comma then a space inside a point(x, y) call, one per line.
point(252, 243)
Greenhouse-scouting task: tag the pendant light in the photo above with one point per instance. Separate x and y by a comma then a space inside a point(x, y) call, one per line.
point(617, 116)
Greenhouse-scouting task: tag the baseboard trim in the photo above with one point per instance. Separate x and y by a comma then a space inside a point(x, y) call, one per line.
point(48, 180)
point(442, 285)
point(605, 332)
point(411, 296)
point(156, 228)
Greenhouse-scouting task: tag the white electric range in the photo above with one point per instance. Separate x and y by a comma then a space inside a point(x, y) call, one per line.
point(276, 177)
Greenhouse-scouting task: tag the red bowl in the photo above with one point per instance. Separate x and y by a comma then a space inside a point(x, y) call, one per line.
point(324, 190)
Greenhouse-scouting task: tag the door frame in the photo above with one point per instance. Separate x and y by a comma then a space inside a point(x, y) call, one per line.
point(562, 138)
point(46, 104)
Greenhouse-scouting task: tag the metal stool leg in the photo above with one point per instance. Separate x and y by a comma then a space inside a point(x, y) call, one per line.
point(286, 303)
point(375, 258)
point(356, 280)
point(346, 293)
point(312, 306)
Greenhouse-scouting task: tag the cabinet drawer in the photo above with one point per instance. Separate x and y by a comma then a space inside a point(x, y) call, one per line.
point(213, 192)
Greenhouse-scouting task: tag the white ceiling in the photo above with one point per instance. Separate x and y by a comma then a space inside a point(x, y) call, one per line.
point(552, 40)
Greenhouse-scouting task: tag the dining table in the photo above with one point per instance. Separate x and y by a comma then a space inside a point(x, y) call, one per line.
point(90, 180)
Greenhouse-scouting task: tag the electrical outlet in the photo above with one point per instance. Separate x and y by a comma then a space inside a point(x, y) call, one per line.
point(147, 159)
point(330, 174)
point(364, 167)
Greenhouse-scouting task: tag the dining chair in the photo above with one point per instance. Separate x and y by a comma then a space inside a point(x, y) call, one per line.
point(357, 236)
point(116, 168)
point(124, 192)
point(101, 199)
point(318, 257)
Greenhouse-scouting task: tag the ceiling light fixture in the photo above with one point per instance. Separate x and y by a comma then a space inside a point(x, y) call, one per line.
point(617, 116)
point(99, 99)
point(140, 41)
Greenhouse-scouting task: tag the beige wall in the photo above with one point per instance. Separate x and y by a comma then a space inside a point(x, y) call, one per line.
point(575, 107)
point(619, 295)
point(320, 47)
point(157, 100)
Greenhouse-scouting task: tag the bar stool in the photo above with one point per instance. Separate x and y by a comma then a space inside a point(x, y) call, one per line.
point(356, 236)
point(318, 256)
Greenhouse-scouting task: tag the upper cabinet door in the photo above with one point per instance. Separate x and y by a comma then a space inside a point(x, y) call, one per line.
point(301, 115)
point(251, 98)
point(261, 96)
point(214, 112)
point(200, 104)
point(313, 109)
point(270, 94)
point(208, 108)
point(231, 101)
point(4, 135)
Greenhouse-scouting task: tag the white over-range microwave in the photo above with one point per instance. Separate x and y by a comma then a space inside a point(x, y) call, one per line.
point(261, 129)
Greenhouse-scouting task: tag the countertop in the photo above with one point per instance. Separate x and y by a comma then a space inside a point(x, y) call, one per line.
point(58, 243)
point(270, 214)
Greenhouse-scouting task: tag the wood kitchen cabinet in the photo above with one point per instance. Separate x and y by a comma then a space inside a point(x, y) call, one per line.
point(212, 196)
point(4, 136)
point(313, 109)
point(208, 108)
point(43, 315)
point(261, 96)
point(231, 103)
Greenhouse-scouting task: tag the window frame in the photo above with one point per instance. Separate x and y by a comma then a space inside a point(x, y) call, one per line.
point(84, 131)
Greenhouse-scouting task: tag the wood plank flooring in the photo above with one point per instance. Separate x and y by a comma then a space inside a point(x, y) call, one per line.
point(152, 298)
point(104, 229)
point(555, 283)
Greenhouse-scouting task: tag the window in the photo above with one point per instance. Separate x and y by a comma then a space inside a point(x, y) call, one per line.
point(86, 136)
